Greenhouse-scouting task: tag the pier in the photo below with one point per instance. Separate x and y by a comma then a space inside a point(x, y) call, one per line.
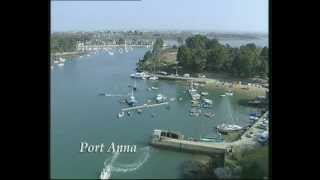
point(211, 148)
point(172, 77)
point(144, 106)
point(190, 146)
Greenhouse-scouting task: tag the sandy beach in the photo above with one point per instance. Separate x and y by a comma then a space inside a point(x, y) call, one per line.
point(252, 90)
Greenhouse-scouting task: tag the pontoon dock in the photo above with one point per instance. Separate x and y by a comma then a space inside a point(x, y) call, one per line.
point(144, 106)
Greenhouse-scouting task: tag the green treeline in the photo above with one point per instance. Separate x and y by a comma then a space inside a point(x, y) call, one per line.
point(151, 57)
point(202, 54)
point(66, 42)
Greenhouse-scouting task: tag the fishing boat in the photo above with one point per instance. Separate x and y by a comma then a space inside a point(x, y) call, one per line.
point(106, 173)
point(121, 114)
point(229, 93)
point(225, 128)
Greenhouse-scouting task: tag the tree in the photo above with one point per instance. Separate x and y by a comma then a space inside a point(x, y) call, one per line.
point(197, 42)
point(157, 46)
point(217, 56)
point(180, 41)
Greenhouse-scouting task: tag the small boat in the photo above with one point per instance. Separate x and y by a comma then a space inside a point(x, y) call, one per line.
point(172, 99)
point(229, 93)
point(204, 93)
point(254, 118)
point(153, 78)
point(111, 53)
point(207, 101)
point(154, 88)
point(196, 96)
point(160, 98)
point(120, 50)
point(51, 67)
point(62, 59)
point(121, 114)
point(106, 173)
point(139, 111)
point(209, 114)
point(129, 113)
point(222, 95)
point(131, 100)
point(225, 128)
point(61, 64)
point(263, 137)
point(55, 62)
point(139, 75)
point(102, 94)
point(195, 103)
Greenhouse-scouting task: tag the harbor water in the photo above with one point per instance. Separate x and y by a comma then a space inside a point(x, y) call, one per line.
point(80, 114)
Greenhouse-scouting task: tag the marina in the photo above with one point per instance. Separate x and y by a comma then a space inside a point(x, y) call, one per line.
point(77, 108)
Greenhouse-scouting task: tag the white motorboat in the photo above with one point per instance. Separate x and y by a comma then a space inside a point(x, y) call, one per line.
point(196, 96)
point(172, 99)
point(204, 93)
point(160, 98)
point(111, 53)
point(153, 78)
point(229, 93)
point(225, 128)
point(141, 75)
point(62, 59)
point(61, 64)
point(222, 95)
point(121, 114)
point(106, 173)
point(263, 137)
point(154, 88)
point(207, 101)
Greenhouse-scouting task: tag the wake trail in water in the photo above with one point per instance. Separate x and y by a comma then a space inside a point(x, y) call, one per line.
point(118, 167)
point(134, 166)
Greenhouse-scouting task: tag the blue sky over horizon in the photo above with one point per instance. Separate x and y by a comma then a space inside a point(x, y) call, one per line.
point(214, 15)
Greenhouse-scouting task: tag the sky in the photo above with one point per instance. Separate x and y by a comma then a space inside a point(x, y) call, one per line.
point(212, 15)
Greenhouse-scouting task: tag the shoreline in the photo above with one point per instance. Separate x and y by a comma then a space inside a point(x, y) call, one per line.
point(250, 90)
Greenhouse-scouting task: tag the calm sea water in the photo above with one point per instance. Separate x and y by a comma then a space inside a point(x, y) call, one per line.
point(78, 114)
